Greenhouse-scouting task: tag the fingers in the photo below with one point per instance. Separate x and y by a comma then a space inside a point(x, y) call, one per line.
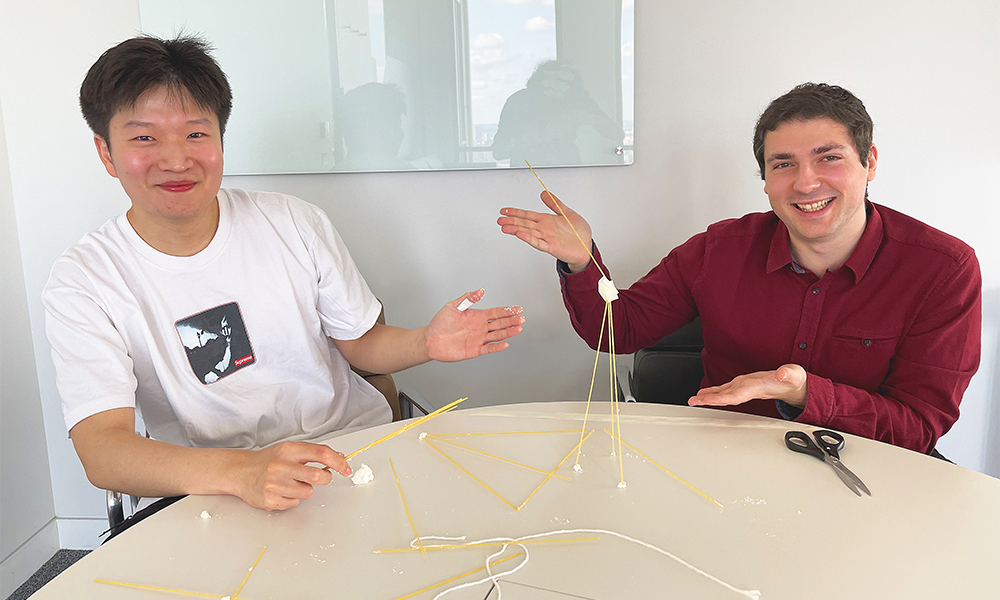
point(492, 348)
point(502, 312)
point(554, 204)
point(466, 300)
point(284, 476)
point(518, 216)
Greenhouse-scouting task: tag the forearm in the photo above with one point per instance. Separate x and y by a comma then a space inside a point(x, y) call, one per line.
point(901, 419)
point(123, 461)
point(387, 349)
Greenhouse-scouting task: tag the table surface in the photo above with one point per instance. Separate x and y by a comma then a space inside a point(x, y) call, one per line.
point(787, 526)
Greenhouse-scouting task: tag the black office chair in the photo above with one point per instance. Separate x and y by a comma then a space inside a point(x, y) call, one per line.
point(669, 372)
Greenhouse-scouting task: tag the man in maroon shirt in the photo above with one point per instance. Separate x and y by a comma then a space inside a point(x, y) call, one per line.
point(828, 310)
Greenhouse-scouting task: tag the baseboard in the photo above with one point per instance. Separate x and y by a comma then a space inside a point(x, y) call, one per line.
point(32, 554)
point(81, 533)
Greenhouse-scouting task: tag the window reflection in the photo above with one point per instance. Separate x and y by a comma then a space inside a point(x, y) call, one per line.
point(386, 85)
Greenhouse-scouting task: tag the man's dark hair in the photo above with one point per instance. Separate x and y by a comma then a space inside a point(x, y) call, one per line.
point(125, 72)
point(813, 101)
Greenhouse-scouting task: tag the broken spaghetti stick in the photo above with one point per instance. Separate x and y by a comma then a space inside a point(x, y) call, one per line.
point(478, 544)
point(570, 223)
point(616, 418)
point(481, 482)
point(669, 472)
point(156, 589)
point(448, 435)
point(590, 394)
point(407, 508)
point(552, 472)
point(236, 594)
point(466, 574)
point(506, 460)
point(407, 427)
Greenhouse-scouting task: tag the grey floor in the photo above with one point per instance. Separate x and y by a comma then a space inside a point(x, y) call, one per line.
point(55, 565)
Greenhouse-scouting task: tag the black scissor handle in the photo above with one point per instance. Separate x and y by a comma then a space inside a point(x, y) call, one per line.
point(831, 441)
point(797, 441)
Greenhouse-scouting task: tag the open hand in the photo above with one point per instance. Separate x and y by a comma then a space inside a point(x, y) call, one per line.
point(551, 233)
point(787, 383)
point(454, 335)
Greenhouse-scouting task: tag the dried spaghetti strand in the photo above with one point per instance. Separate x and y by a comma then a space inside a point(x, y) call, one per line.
point(570, 223)
point(552, 472)
point(590, 394)
point(466, 471)
point(479, 544)
point(156, 589)
point(500, 458)
point(448, 435)
point(407, 427)
point(407, 508)
point(616, 417)
point(236, 594)
point(669, 472)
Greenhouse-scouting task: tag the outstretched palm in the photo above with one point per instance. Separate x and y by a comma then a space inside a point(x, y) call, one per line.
point(551, 233)
point(454, 335)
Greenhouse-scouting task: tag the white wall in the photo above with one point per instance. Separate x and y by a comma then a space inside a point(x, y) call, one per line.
point(929, 74)
point(27, 514)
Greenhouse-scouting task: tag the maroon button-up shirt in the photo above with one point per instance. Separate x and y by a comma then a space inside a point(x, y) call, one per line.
point(889, 340)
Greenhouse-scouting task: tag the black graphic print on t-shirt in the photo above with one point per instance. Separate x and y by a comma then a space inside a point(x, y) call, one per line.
point(216, 342)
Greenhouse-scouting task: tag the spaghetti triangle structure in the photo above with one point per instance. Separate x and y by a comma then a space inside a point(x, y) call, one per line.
point(441, 440)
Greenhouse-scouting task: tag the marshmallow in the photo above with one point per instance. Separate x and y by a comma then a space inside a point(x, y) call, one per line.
point(607, 289)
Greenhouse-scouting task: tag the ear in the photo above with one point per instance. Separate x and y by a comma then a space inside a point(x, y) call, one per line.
point(104, 152)
point(872, 162)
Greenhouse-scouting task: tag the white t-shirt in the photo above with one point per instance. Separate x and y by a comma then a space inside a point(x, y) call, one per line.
point(227, 348)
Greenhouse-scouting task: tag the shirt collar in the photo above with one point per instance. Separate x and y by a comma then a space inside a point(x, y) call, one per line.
point(860, 260)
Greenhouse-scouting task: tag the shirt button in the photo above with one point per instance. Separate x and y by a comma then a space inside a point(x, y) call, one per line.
point(866, 342)
point(802, 346)
point(815, 290)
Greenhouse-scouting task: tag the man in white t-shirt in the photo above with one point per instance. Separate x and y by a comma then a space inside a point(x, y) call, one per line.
point(229, 319)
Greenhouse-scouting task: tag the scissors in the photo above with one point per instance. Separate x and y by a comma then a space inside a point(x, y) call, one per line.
point(828, 450)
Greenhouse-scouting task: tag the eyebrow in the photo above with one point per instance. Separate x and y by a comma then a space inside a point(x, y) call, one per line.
point(827, 148)
point(816, 152)
point(135, 123)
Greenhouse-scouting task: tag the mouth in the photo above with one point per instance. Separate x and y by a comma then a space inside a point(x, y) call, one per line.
point(177, 186)
point(814, 206)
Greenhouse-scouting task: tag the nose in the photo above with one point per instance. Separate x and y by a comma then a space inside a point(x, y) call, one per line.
point(175, 155)
point(806, 179)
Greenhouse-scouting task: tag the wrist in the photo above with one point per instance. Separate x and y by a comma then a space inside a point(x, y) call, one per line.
point(235, 474)
point(796, 378)
point(425, 350)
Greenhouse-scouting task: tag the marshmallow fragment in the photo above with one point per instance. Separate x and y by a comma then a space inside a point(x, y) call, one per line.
point(607, 289)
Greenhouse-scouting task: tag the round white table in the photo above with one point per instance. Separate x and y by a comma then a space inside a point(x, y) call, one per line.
point(787, 526)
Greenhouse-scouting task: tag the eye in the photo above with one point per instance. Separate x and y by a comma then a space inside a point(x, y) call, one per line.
point(781, 165)
point(830, 158)
point(143, 138)
point(197, 135)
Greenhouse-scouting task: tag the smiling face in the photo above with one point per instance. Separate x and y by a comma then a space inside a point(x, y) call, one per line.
point(167, 154)
point(816, 184)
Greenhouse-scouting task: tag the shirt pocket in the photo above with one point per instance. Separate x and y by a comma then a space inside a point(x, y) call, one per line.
point(862, 357)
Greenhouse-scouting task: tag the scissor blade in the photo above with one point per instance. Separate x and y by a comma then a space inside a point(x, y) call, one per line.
point(843, 476)
point(841, 468)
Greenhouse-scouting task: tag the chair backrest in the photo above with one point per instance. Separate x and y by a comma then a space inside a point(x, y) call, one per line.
point(671, 371)
point(383, 382)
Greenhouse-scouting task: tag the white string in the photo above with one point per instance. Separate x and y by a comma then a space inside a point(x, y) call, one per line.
point(752, 594)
